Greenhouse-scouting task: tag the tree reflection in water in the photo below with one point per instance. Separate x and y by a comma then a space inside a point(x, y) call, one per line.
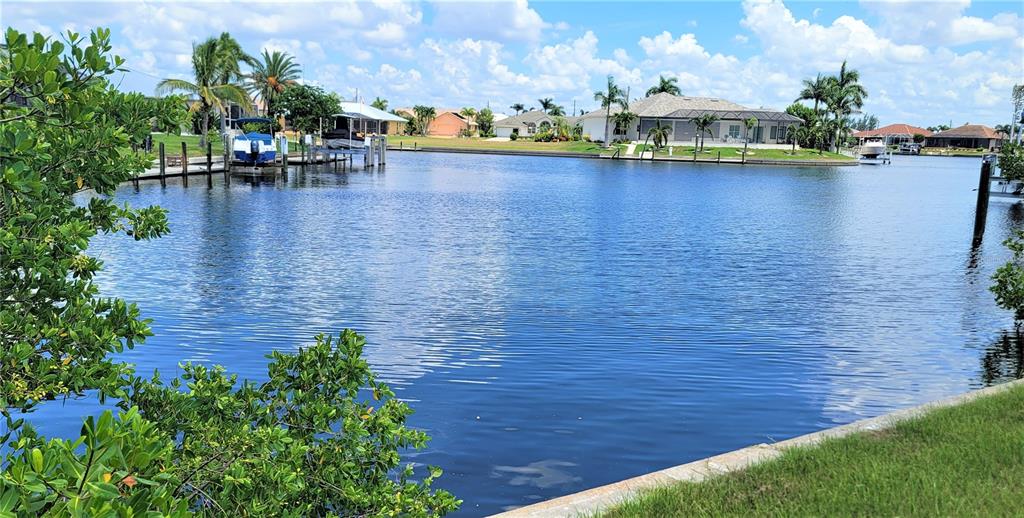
point(1004, 359)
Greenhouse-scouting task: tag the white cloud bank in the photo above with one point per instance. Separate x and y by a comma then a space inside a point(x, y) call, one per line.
point(922, 64)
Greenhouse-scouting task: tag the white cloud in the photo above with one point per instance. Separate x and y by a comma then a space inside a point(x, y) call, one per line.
point(941, 22)
point(501, 21)
point(908, 53)
point(386, 33)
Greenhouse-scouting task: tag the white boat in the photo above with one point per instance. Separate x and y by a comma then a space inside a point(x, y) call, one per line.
point(872, 150)
point(253, 148)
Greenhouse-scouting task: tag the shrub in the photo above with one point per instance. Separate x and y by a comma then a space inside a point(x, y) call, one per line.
point(544, 136)
point(1011, 161)
point(1009, 278)
point(514, 136)
point(320, 437)
point(918, 138)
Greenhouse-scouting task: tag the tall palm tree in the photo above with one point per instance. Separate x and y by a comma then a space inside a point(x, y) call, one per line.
point(207, 84)
point(747, 124)
point(270, 76)
point(816, 90)
point(665, 85)
point(844, 96)
point(380, 104)
point(558, 110)
point(468, 112)
point(611, 95)
point(546, 104)
point(518, 107)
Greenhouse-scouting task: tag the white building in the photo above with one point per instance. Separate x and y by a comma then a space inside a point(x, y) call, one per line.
point(527, 124)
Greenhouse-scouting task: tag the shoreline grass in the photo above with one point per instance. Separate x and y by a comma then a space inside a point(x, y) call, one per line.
point(966, 460)
point(736, 153)
point(496, 145)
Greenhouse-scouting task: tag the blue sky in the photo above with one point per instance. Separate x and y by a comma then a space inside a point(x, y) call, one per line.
point(923, 63)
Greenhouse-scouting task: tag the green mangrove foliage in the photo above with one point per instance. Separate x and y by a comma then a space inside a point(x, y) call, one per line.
point(320, 437)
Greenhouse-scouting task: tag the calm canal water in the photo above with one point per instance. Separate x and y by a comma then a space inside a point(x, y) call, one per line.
point(559, 324)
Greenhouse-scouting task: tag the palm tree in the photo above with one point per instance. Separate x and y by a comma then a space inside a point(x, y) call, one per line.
point(207, 84)
point(270, 76)
point(424, 115)
point(747, 124)
point(469, 113)
point(665, 85)
point(624, 119)
point(518, 107)
point(558, 111)
point(816, 90)
point(658, 135)
point(380, 104)
point(611, 95)
point(546, 104)
point(844, 95)
point(562, 129)
point(793, 132)
point(703, 124)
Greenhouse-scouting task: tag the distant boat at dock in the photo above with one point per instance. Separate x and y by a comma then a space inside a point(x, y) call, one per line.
point(253, 148)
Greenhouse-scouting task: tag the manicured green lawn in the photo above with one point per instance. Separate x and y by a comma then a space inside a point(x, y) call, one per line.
point(483, 144)
point(950, 151)
point(961, 461)
point(735, 153)
point(172, 144)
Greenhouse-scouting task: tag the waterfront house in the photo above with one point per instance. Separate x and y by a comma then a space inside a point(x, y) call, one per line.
point(527, 124)
point(679, 111)
point(974, 136)
point(891, 134)
point(447, 123)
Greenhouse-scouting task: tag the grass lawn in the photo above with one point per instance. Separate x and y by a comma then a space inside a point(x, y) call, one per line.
point(961, 461)
point(711, 153)
point(949, 151)
point(172, 144)
point(483, 144)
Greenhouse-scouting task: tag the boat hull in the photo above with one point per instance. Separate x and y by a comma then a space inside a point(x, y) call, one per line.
point(254, 148)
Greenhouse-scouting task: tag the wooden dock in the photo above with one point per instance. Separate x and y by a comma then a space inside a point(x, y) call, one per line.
point(374, 154)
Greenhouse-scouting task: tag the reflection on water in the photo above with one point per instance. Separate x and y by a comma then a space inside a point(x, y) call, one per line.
point(1004, 359)
point(561, 324)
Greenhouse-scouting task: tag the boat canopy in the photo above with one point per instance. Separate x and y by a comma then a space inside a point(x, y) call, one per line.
point(248, 120)
point(354, 110)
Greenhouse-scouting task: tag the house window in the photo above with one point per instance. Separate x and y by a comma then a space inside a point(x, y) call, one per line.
point(530, 128)
point(782, 133)
point(734, 130)
point(774, 133)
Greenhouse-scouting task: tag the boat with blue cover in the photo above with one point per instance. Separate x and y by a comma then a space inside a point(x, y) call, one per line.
point(254, 148)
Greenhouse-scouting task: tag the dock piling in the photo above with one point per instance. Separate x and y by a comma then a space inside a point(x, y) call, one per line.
point(984, 188)
point(209, 164)
point(184, 163)
point(163, 166)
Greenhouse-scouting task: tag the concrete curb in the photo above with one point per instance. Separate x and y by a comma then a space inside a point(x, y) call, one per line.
point(602, 498)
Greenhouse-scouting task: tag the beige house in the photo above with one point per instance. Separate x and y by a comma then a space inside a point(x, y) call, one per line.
point(527, 124)
point(679, 111)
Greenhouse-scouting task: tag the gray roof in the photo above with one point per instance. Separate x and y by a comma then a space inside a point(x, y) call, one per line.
point(531, 117)
point(684, 107)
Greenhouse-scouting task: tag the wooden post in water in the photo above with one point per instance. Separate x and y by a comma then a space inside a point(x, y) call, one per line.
point(209, 164)
point(163, 166)
point(719, 156)
point(984, 188)
point(184, 163)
